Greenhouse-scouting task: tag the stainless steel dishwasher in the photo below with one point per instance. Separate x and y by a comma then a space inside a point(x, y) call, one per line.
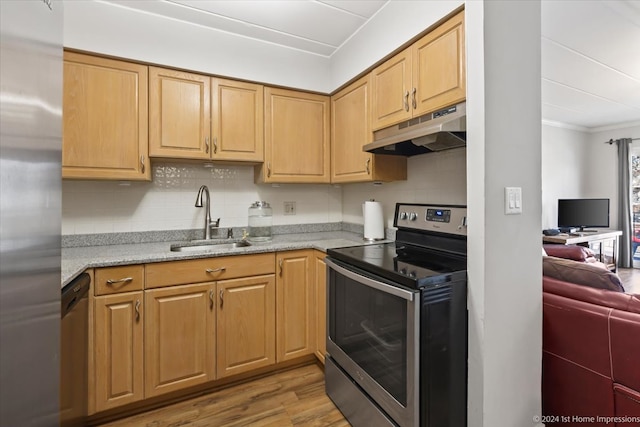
point(74, 330)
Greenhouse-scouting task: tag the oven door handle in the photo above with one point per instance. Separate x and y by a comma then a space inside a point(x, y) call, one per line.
point(389, 289)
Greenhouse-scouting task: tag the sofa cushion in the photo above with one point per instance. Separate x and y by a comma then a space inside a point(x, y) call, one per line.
point(574, 252)
point(581, 273)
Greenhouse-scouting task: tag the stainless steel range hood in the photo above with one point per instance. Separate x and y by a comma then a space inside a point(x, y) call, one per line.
point(437, 131)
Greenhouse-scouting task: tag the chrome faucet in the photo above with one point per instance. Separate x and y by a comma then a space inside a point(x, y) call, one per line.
point(207, 218)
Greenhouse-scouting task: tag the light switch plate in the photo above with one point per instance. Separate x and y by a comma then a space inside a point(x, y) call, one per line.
point(512, 200)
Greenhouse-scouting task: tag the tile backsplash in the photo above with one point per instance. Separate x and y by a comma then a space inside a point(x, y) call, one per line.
point(167, 202)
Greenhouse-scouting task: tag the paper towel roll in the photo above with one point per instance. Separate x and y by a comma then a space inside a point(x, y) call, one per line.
point(373, 221)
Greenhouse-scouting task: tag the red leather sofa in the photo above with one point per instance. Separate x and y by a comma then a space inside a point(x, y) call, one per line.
point(591, 356)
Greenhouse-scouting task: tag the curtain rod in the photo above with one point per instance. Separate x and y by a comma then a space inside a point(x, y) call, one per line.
point(611, 141)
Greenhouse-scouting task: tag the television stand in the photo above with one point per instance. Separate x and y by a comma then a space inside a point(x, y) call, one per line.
point(604, 243)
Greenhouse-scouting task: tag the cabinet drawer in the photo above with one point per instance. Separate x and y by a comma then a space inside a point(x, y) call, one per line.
point(112, 280)
point(209, 269)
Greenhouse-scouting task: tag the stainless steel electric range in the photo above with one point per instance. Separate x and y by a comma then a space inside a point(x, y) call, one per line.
point(397, 323)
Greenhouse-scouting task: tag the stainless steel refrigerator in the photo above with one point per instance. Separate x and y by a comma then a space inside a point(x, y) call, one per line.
point(30, 197)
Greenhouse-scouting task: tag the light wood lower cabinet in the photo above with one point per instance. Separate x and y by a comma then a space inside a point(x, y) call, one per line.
point(246, 324)
point(164, 338)
point(320, 305)
point(294, 294)
point(179, 337)
point(118, 350)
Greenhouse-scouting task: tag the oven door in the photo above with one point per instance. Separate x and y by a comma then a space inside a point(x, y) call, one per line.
point(373, 330)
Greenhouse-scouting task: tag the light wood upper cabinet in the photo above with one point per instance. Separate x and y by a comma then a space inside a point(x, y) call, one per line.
point(439, 70)
point(320, 304)
point(118, 350)
point(390, 91)
point(238, 121)
point(105, 119)
point(194, 116)
point(246, 324)
point(297, 134)
point(295, 316)
point(179, 114)
point(179, 337)
point(350, 131)
point(427, 76)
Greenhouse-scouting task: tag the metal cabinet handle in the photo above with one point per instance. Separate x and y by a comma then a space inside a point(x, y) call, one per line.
point(137, 309)
point(221, 297)
point(142, 163)
point(413, 97)
point(216, 270)
point(369, 166)
point(215, 144)
point(123, 280)
point(206, 144)
point(406, 101)
point(211, 298)
point(280, 266)
point(268, 169)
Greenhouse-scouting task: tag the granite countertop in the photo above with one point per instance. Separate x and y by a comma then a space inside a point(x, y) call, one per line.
point(76, 260)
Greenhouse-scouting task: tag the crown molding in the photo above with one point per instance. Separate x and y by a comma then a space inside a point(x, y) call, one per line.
point(564, 125)
point(607, 128)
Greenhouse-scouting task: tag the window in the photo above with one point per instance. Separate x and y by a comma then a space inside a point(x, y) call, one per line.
point(635, 202)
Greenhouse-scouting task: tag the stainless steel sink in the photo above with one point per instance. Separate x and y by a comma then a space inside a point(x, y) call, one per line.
point(204, 245)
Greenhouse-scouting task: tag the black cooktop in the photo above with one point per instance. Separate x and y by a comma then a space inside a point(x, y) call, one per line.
point(405, 264)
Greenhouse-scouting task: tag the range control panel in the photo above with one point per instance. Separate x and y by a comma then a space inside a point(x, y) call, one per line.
point(442, 219)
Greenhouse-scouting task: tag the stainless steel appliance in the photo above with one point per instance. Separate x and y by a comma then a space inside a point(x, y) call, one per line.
point(30, 201)
point(74, 334)
point(440, 130)
point(397, 323)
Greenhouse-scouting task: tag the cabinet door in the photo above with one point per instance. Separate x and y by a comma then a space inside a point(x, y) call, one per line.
point(320, 279)
point(294, 294)
point(179, 114)
point(296, 137)
point(238, 120)
point(246, 324)
point(118, 351)
point(105, 119)
point(439, 74)
point(350, 130)
point(179, 337)
point(390, 85)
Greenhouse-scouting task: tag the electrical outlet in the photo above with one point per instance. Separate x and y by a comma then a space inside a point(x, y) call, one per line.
point(289, 208)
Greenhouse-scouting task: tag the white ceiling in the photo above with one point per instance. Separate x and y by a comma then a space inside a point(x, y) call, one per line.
point(590, 49)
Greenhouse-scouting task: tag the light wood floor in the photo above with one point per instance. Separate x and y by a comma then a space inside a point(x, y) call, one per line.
point(291, 398)
point(630, 277)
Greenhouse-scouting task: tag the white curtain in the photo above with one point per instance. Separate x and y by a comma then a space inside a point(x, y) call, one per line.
point(625, 214)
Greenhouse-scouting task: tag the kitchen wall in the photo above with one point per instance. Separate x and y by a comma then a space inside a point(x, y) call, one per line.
point(431, 178)
point(114, 29)
point(167, 203)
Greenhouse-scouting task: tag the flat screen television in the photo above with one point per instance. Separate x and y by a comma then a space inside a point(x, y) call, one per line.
point(582, 213)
